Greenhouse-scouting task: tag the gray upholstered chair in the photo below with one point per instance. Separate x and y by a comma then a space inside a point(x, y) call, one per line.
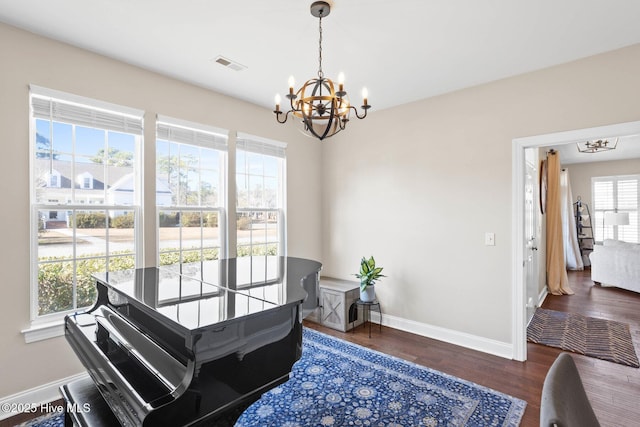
point(564, 402)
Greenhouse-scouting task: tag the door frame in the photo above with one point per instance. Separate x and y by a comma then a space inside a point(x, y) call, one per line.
point(519, 312)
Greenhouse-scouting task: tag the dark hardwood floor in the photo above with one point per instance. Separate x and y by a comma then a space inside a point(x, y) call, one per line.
point(614, 390)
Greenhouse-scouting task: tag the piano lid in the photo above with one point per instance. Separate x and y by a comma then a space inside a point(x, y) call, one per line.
point(198, 295)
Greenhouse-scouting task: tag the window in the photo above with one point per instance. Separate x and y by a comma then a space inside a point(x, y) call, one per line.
point(260, 188)
point(616, 194)
point(74, 233)
point(86, 197)
point(54, 178)
point(85, 181)
point(190, 191)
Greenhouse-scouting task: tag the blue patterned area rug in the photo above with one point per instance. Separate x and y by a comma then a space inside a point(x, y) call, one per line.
point(337, 383)
point(49, 420)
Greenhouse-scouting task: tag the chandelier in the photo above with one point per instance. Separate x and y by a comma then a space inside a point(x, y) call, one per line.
point(323, 110)
point(596, 146)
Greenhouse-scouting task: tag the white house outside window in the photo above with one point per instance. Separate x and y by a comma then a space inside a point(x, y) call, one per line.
point(74, 233)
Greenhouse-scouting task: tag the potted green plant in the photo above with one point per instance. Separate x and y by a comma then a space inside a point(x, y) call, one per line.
point(368, 276)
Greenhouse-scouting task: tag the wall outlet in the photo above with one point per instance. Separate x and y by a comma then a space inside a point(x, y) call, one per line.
point(489, 239)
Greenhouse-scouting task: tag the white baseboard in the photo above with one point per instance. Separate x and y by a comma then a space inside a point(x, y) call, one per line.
point(34, 397)
point(541, 297)
point(462, 339)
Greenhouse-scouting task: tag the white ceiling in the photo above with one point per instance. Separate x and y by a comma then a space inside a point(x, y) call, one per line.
point(401, 50)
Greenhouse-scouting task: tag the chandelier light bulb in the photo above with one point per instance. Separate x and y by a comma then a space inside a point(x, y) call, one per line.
point(341, 84)
point(292, 83)
point(365, 95)
point(277, 100)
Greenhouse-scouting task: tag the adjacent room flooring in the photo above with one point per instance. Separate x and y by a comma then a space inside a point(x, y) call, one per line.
point(614, 390)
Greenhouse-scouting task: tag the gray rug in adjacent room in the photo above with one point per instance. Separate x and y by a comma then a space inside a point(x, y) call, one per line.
point(590, 336)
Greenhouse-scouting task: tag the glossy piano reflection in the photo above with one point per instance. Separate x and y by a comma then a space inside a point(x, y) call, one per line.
point(178, 345)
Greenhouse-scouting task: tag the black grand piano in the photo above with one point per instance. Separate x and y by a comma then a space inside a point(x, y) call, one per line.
point(182, 345)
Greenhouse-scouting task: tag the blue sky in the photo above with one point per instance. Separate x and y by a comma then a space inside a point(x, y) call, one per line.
point(88, 141)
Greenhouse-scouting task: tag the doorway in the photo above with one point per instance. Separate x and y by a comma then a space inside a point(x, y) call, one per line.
point(520, 244)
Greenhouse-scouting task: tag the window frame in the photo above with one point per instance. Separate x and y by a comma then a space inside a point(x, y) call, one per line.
point(72, 101)
point(201, 136)
point(598, 212)
point(275, 149)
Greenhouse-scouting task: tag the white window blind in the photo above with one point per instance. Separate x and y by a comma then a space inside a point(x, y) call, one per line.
point(259, 145)
point(46, 104)
point(175, 130)
point(616, 194)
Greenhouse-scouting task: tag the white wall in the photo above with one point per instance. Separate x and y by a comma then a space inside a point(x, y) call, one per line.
point(29, 59)
point(419, 185)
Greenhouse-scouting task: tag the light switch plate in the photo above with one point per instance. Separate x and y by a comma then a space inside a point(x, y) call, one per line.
point(489, 239)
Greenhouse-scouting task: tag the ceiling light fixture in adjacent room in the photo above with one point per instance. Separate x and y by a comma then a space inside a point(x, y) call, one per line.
point(323, 110)
point(596, 146)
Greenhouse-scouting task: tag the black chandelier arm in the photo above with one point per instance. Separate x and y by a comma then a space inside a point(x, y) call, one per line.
point(364, 107)
point(291, 97)
point(279, 113)
point(291, 103)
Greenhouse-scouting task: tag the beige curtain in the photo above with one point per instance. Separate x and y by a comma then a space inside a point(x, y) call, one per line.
point(557, 280)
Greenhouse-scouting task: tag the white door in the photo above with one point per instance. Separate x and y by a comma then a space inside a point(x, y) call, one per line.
point(531, 231)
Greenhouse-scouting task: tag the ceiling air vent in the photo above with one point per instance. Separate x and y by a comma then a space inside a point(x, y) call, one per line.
point(226, 62)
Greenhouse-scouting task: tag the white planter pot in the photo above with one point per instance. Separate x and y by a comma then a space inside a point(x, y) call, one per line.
point(369, 294)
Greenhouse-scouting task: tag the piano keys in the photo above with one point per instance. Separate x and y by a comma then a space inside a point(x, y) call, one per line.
point(180, 345)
